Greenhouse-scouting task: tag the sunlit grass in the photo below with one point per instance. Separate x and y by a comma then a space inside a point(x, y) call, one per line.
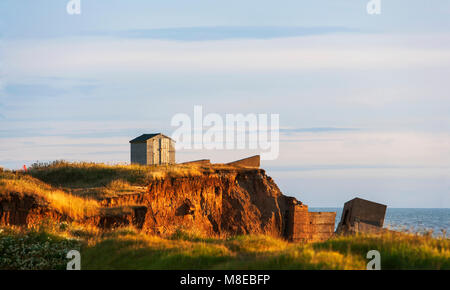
point(398, 250)
point(86, 174)
point(265, 252)
point(127, 248)
point(73, 206)
point(133, 250)
point(253, 244)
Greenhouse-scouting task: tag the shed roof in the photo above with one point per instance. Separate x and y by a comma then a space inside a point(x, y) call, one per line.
point(144, 137)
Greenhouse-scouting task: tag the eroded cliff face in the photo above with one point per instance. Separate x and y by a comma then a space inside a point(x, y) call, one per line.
point(219, 204)
point(223, 203)
point(28, 210)
point(23, 209)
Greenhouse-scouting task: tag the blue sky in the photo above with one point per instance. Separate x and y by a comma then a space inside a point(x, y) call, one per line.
point(363, 99)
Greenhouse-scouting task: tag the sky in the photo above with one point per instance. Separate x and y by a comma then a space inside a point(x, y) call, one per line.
point(363, 99)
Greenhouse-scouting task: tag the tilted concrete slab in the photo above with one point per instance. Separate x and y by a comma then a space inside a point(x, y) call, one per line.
point(253, 161)
point(198, 162)
point(360, 215)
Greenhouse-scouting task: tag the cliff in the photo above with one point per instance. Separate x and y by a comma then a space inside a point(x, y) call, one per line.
point(218, 202)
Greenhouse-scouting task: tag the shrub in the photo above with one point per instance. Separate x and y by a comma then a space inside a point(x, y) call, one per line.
point(34, 250)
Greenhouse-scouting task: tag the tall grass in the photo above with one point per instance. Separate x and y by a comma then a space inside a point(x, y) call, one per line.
point(133, 250)
point(189, 251)
point(127, 248)
point(73, 206)
point(397, 250)
point(74, 188)
point(85, 174)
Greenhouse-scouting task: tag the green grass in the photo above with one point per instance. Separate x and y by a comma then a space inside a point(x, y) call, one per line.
point(397, 250)
point(126, 248)
point(133, 250)
point(136, 251)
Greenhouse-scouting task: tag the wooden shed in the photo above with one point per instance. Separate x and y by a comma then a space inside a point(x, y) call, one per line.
point(152, 149)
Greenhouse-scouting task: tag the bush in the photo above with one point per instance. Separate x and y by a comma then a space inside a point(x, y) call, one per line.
point(34, 250)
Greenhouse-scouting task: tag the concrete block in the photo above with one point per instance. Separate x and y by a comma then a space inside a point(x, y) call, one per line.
point(358, 214)
point(306, 226)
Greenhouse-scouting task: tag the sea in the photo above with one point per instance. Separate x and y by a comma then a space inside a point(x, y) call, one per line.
point(413, 220)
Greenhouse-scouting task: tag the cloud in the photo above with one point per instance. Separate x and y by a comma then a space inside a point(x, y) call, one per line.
point(32, 90)
point(227, 32)
point(42, 89)
point(82, 130)
point(315, 130)
point(89, 57)
point(365, 148)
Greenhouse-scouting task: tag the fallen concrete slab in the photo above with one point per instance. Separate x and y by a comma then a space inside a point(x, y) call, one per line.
point(361, 216)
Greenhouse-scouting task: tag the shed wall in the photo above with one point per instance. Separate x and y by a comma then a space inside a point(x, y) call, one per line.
point(138, 153)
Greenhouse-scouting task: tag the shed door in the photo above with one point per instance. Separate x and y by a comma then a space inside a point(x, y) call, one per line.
point(164, 150)
point(156, 151)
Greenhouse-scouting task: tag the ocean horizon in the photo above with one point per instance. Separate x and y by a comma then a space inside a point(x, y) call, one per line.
point(414, 220)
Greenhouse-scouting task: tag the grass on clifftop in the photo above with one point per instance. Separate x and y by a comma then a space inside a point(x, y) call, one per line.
point(98, 180)
point(89, 174)
point(126, 248)
point(71, 205)
point(86, 174)
point(74, 188)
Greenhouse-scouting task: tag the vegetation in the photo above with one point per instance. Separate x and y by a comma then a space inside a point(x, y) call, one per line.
point(58, 199)
point(127, 248)
point(33, 249)
point(74, 189)
point(397, 250)
point(85, 174)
